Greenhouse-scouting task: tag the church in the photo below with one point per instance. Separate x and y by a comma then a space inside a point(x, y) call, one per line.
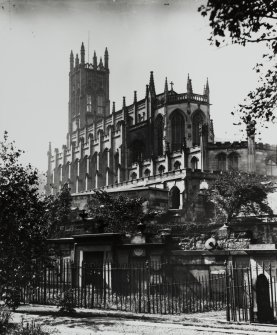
point(161, 146)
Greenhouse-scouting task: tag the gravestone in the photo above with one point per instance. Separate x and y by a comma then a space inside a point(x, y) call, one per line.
point(265, 312)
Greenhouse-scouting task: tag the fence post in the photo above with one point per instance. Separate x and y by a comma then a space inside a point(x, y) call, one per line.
point(227, 293)
point(251, 298)
point(148, 286)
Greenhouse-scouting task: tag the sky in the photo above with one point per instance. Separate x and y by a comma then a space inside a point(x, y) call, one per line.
point(168, 37)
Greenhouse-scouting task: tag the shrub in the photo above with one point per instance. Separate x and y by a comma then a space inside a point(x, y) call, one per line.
point(5, 317)
point(11, 297)
point(67, 302)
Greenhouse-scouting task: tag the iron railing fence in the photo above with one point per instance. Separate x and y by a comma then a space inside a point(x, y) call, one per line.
point(252, 293)
point(141, 288)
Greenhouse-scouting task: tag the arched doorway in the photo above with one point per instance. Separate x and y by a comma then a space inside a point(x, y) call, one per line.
point(175, 197)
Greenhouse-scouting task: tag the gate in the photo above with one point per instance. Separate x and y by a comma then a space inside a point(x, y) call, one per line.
point(251, 294)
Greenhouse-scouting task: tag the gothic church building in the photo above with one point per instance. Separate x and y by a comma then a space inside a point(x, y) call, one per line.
point(162, 144)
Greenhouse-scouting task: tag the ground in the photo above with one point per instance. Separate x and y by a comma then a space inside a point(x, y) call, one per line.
point(88, 322)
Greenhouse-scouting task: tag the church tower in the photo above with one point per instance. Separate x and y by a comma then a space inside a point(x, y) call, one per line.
point(88, 90)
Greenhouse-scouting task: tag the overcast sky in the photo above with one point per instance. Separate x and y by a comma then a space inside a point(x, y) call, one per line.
point(142, 36)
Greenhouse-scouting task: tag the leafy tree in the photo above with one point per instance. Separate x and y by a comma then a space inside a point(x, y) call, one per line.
point(234, 193)
point(23, 225)
point(58, 209)
point(246, 22)
point(118, 214)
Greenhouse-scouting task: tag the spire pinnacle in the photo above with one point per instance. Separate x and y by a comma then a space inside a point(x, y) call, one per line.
point(77, 60)
point(71, 60)
point(135, 97)
point(147, 90)
point(82, 53)
point(101, 63)
point(165, 85)
point(207, 90)
point(94, 60)
point(113, 107)
point(106, 59)
point(124, 103)
point(189, 85)
point(152, 84)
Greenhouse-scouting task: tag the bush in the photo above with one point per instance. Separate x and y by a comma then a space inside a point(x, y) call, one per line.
point(5, 317)
point(67, 302)
point(11, 297)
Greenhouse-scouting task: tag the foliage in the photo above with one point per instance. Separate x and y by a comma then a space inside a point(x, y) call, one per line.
point(67, 302)
point(117, 214)
point(5, 317)
point(23, 226)
point(246, 22)
point(58, 208)
point(234, 193)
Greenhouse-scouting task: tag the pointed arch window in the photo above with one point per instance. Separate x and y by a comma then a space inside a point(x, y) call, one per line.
point(221, 162)
point(233, 161)
point(175, 197)
point(271, 167)
point(147, 173)
point(197, 121)
point(158, 136)
point(177, 130)
point(137, 151)
point(194, 163)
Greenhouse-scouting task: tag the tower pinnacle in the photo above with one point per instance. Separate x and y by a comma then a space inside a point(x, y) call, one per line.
point(101, 63)
point(106, 59)
point(77, 60)
point(82, 53)
point(94, 60)
point(71, 60)
point(207, 88)
point(152, 84)
point(189, 85)
point(165, 86)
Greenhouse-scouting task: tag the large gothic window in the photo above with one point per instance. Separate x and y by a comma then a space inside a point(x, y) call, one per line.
point(233, 161)
point(137, 151)
point(100, 105)
point(197, 121)
point(158, 136)
point(177, 130)
point(221, 162)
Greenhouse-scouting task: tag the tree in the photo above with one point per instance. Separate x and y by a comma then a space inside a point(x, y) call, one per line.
point(234, 193)
point(246, 22)
point(58, 209)
point(23, 225)
point(118, 214)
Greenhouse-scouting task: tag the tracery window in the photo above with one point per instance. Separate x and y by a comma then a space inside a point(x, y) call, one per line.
point(137, 151)
point(233, 161)
point(197, 121)
point(158, 136)
point(194, 163)
point(177, 130)
point(221, 162)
